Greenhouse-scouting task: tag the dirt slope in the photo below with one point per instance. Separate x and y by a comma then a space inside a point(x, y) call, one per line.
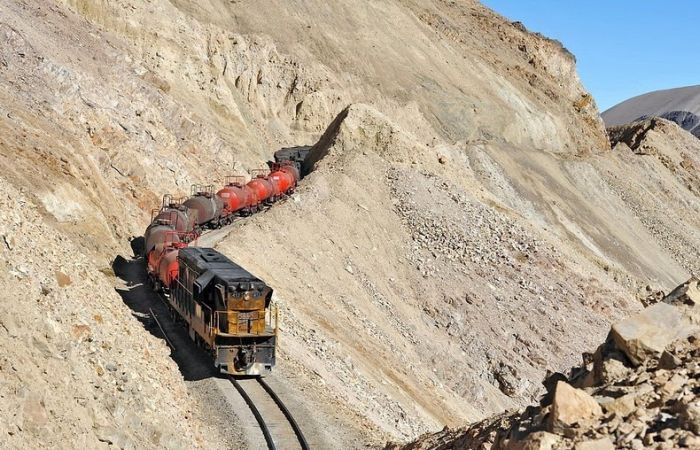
point(409, 313)
point(466, 202)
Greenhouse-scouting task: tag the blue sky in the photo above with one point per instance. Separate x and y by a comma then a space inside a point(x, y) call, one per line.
point(623, 47)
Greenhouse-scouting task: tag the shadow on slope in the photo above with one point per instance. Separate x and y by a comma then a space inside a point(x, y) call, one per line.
point(193, 362)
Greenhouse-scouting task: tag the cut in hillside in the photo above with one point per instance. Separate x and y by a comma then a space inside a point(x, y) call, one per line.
point(669, 198)
point(680, 105)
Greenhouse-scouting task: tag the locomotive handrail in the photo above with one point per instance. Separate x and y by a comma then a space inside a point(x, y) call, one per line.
point(208, 327)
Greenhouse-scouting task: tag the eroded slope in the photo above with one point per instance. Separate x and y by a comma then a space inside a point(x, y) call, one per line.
point(464, 230)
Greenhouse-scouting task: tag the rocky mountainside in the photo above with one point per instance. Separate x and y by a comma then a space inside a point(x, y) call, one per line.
point(465, 226)
point(638, 390)
point(680, 105)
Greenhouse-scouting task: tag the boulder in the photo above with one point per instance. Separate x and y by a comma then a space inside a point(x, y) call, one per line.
point(650, 331)
point(539, 440)
point(687, 293)
point(627, 404)
point(669, 361)
point(609, 370)
point(689, 416)
point(572, 407)
point(673, 385)
point(598, 444)
point(623, 406)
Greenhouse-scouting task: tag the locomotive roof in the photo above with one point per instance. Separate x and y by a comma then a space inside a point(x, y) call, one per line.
point(207, 259)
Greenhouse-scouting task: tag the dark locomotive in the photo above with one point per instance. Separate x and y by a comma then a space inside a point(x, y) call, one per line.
point(226, 309)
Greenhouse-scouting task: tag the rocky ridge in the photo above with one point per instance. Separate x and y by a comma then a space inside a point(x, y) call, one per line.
point(637, 390)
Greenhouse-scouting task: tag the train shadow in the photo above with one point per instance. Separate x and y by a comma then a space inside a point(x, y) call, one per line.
point(193, 362)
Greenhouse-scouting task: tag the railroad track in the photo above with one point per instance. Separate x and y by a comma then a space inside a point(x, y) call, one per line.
point(277, 424)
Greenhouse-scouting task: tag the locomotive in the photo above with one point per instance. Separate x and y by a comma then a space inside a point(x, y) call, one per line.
point(226, 309)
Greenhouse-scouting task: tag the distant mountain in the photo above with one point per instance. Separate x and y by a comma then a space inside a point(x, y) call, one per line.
point(681, 105)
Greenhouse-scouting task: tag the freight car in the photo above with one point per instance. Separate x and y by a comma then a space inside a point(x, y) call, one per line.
point(173, 216)
point(207, 206)
point(227, 311)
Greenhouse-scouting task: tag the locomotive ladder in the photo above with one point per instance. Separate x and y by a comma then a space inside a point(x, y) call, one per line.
point(257, 395)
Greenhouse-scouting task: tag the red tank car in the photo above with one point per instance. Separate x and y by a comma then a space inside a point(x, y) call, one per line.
point(207, 206)
point(281, 181)
point(168, 266)
point(167, 238)
point(171, 217)
point(162, 260)
point(263, 187)
point(253, 200)
point(155, 234)
point(284, 177)
point(290, 168)
point(235, 195)
point(178, 216)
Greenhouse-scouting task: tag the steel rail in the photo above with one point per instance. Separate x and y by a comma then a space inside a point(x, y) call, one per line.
point(256, 413)
point(287, 414)
point(165, 335)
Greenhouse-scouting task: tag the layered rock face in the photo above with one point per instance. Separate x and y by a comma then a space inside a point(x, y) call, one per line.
point(638, 390)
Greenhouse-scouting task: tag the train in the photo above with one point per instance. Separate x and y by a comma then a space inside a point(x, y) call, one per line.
point(226, 309)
